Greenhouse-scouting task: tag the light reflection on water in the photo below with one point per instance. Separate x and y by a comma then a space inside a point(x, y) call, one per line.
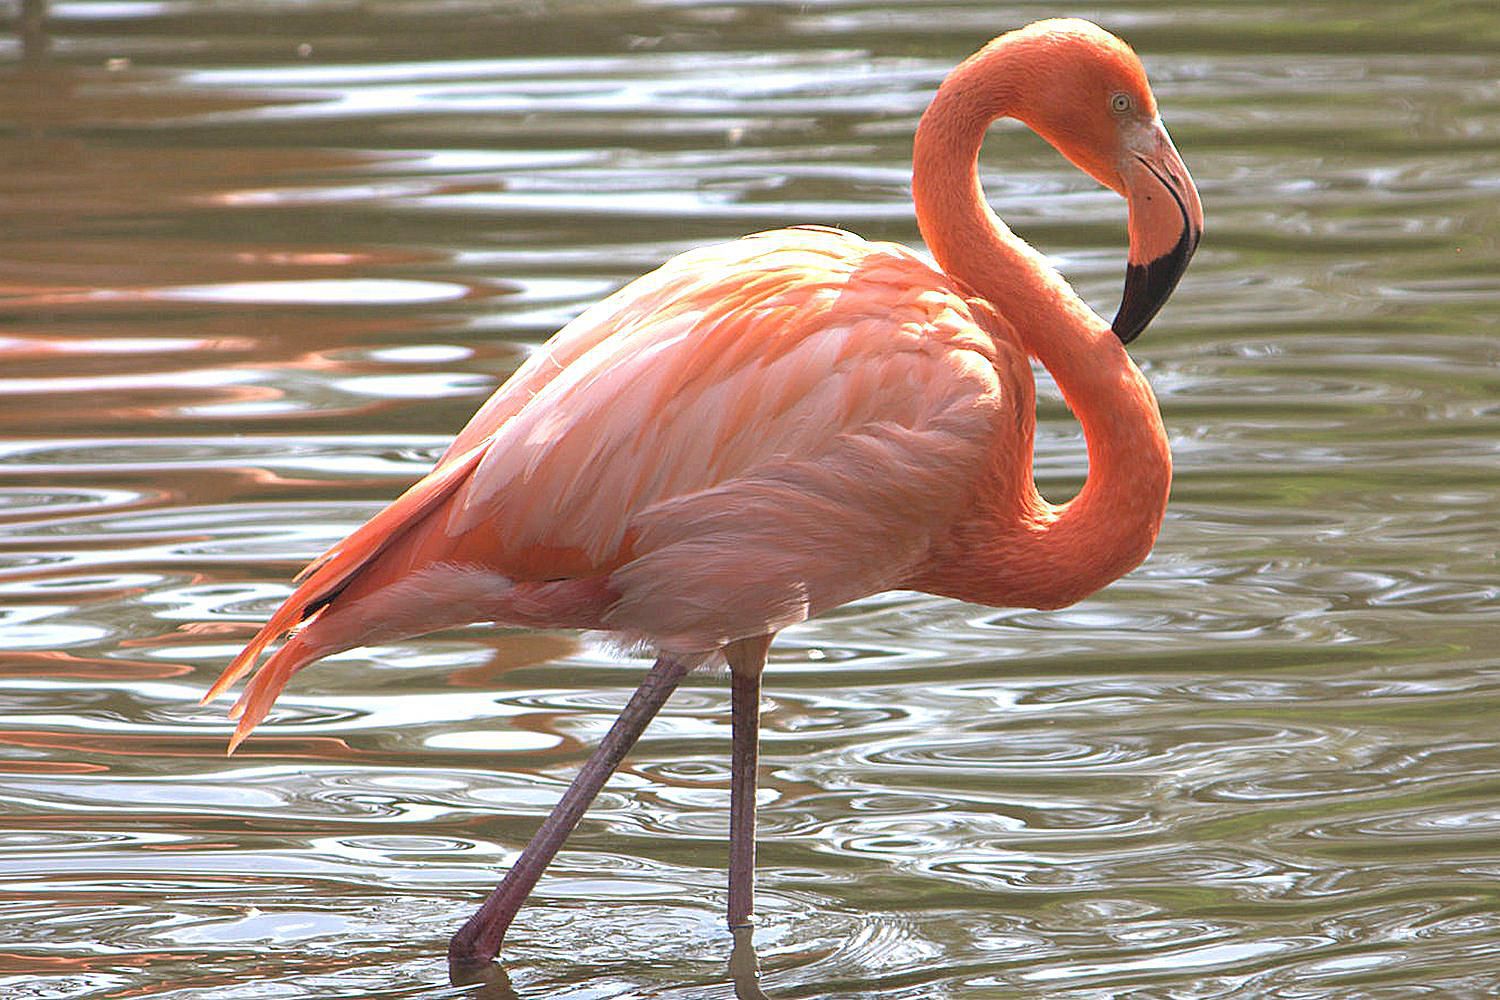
point(261, 265)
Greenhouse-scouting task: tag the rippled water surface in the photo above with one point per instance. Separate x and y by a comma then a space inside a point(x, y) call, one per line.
point(261, 259)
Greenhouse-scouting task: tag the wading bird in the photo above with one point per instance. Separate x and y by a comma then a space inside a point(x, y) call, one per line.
point(759, 431)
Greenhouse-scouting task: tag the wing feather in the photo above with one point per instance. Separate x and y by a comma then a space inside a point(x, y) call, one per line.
point(736, 371)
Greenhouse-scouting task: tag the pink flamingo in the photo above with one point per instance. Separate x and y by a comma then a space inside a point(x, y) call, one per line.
point(762, 430)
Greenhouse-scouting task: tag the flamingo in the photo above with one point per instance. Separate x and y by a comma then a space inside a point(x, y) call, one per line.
point(762, 430)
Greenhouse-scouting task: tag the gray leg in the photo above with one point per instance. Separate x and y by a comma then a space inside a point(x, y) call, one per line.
point(747, 659)
point(478, 942)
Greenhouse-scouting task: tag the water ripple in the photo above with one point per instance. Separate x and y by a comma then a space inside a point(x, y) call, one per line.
point(262, 267)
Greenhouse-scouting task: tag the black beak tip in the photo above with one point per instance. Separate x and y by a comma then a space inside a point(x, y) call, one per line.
point(1148, 286)
point(1125, 334)
point(1135, 312)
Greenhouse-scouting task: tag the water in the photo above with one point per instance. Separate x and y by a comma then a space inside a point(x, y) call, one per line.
point(261, 261)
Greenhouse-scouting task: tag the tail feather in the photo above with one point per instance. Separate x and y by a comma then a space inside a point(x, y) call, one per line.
point(260, 694)
point(320, 584)
point(286, 617)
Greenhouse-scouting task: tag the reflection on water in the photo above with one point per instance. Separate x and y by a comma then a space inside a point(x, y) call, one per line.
point(261, 261)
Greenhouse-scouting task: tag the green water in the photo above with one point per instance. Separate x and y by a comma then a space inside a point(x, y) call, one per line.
point(260, 260)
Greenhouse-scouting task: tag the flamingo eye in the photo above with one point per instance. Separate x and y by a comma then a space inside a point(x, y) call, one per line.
point(1121, 104)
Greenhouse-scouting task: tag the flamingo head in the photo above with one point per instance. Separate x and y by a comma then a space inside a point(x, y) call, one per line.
point(1087, 95)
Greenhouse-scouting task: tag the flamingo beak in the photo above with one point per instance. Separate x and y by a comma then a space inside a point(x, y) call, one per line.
point(1166, 222)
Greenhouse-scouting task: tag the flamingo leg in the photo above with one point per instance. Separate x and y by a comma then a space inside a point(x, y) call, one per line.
point(479, 940)
point(747, 659)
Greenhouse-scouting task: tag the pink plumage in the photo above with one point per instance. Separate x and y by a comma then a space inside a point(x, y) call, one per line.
point(765, 429)
point(751, 434)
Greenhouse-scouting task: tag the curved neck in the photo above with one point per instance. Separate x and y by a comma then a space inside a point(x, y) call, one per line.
point(1022, 550)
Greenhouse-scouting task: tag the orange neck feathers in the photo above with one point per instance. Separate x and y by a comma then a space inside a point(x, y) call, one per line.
point(1016, 549)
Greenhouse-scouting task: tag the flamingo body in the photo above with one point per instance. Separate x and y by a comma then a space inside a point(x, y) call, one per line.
point(751, 434)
